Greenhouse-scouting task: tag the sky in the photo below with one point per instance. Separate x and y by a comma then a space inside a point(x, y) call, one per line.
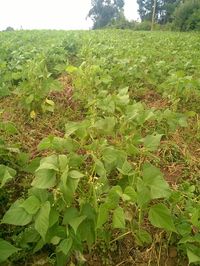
point(52, 14)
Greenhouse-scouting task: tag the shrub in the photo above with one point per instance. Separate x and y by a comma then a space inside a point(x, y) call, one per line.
point(187, 16)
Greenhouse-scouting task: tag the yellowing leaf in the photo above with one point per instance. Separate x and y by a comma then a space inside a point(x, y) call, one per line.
point(33, 114)
point(50, 102)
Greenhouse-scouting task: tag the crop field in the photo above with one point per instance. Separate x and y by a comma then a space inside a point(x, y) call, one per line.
point(99, 148)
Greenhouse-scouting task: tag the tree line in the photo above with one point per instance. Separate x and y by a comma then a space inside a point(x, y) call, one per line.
point(183, 15)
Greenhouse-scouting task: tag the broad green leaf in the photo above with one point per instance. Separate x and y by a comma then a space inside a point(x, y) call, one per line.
point(47, 166)
point(160, 216)
point(63, 162)
point(65, 246)
point(193, 254)
point(44, 179)
point(76, 222)
point(114, 194)
point(62, 144)
point(53, 217)
point(75, 174)
point(106, 125)
point(119, 218)
point(70, 214)
point(154, 180)
point(130, 194)
point(9, 128)
point(41, 194)
point(99, 168)
point(143, 193)
point(73, 218)
point(126, 168)
point(6, 174)
point(17, 215)
point(6, 250)
point(68, 189)
point(143, 237)
point(45, 143)
point(102, 215)
point(71, 128)
point(42, 219)
point(31, 205)
point(151, 142)
point(50, 163)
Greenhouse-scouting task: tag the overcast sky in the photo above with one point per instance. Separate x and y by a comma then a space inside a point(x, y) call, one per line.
point(51, 14)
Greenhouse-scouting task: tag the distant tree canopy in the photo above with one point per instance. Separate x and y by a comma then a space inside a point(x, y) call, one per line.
point(9, 29)
point(105, 11)
point(164, 10)
point(187, 16)
point(182, 15)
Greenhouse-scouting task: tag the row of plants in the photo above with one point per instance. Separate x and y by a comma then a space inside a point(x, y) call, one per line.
point(104, 179)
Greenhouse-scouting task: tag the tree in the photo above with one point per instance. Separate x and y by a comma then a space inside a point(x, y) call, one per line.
point(163, 11)
point(187, 16)
point(9, 29)
point(105, 11)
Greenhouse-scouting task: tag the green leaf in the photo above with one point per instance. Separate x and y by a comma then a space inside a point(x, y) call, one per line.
point(53, 217)
point(44, 179)
point(16, 215)
point(151, 142)
point(45, 143)
point(31, 205)
point(76, 222)
point(71, 128)
point(6, 174)
point(9, 128)
point(130, 194)
point(114, 194)
point(99, 168)
point(75, 174)
point(65, 246)
point(126, 169)
point(102, 215)
point(63, 162)
point(6, 250)
point(143, 237)
point(42, 220)
point(71, 69)
point(106, 125)
point(50, 163)
point(73, 218)
point(70, 214)
point(160, 216)
point(118, 218)
point(193, 254)
point(154, 180)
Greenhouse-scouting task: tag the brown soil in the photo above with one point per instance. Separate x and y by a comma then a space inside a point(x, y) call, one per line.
point(154, 100)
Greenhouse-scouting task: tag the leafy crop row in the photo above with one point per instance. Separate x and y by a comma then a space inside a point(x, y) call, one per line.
point(103, 179)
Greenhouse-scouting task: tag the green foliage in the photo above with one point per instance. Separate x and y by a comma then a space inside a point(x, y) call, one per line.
point(164, 10)
point(35, 86)
point(104, 11)
point(6, 250)
point(187, 16)
point(104, 175)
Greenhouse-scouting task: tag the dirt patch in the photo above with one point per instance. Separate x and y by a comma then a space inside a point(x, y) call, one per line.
point(64, 97)
point(129, 254)
point(173, 173)
point(154, 100)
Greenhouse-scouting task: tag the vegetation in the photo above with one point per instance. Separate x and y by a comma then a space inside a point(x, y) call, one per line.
point(103, 12)
point(187, 16)
point(165, 14)
point(99, 148)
